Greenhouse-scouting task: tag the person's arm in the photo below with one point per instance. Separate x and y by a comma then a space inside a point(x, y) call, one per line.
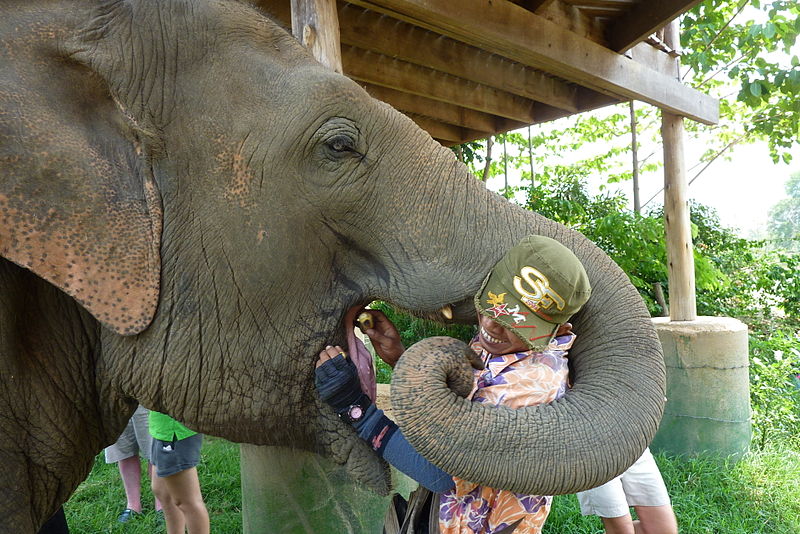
point(336, 379)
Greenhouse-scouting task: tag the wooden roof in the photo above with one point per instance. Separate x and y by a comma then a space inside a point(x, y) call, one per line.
point(467, 69)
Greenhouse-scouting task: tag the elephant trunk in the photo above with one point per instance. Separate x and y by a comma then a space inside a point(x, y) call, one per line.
point(595, 432)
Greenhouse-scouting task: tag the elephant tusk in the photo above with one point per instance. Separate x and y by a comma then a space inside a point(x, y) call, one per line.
point(447, 311)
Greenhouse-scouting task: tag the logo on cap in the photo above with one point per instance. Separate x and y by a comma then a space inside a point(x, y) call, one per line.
point(542, 296)
point(499, 307)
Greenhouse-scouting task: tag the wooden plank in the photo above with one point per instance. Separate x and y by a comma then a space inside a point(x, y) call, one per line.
point(587, 101)
point(647, 54)
point(644, 19)
point(506, 29)
point(680, 255)
point(381, 70)
point(370, 31)
point(621, 6)
point(315, 24)
point(439, 130)
point(440, 111)
point(533, 5)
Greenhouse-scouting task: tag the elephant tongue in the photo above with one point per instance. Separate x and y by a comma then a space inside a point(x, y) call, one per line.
point(366, 371)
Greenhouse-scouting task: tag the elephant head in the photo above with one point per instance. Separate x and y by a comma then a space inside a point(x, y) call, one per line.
point(191, 205)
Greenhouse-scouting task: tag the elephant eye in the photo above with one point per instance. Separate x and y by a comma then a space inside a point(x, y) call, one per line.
point(341, 143)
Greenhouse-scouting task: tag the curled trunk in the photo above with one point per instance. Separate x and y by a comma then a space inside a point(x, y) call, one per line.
point(595, 432)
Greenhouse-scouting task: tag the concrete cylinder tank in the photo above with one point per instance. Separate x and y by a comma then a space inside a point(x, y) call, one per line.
point(708, 387)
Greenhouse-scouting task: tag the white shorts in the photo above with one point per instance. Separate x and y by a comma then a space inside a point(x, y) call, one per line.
point(135, 439)
point(640, 485)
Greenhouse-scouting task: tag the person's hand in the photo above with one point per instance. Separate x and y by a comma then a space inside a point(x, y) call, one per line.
point(564, 329)
point(336, 379)
point(384, 337)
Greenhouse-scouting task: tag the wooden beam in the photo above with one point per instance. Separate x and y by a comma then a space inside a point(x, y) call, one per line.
point(381, 70)
point(440, 111)
point(533, 5)
point(506, 29)
point(587, 101)
point(371, 31)
point(316, 25)
point(439, 130)
point(649, 55)
point(644, 19)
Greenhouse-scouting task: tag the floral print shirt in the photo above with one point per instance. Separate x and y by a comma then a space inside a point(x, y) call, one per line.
point(513, 380)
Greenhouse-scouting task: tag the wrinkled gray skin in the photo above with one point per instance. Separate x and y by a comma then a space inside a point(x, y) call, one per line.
point(190, 204)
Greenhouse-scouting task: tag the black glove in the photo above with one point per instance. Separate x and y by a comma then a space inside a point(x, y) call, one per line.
point(338, 385)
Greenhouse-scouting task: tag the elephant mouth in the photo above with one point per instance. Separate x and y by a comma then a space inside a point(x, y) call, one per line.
point(361, 356)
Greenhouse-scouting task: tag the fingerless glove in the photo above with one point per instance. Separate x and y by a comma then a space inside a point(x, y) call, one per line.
point(337, 383)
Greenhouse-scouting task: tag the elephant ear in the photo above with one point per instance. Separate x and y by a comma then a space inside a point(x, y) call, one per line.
point(78, 202)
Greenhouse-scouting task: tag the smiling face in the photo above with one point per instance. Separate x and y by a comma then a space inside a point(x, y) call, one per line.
point(497, 339)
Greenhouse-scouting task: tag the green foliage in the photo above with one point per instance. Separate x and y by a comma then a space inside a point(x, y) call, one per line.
point(784, 219)
point(749, 45)
point(412, 329)
point(469, 153)
point(774, 392)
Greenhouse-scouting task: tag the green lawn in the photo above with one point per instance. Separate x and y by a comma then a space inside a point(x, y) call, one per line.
point(758, 495)
point(97, 502)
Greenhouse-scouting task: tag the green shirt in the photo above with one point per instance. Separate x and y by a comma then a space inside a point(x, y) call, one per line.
point(166, 428)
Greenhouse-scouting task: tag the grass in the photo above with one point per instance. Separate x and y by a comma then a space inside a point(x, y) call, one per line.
point(95, 505)
point(757, 495)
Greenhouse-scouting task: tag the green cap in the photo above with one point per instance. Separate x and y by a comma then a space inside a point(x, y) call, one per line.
point(537, 286)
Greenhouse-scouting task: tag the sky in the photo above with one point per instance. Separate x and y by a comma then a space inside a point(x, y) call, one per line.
point(745, 189)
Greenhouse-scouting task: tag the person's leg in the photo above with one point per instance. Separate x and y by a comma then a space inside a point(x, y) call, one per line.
point(618, 525)
point(131, 472)
point(646, 492)
point(144, 441)
point(125, 453)
point(173, 516)
point(655, 520)
point(184, 490)
point(609, 504)
point(150, 475)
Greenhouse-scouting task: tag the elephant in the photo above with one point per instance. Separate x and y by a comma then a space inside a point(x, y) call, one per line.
point(193, 207)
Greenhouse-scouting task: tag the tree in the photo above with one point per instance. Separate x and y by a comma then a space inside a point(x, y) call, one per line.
point(748, 47)
point(784, 219)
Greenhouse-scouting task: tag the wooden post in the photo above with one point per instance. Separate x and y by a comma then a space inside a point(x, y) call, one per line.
point(680, 252)
point(315, 23)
